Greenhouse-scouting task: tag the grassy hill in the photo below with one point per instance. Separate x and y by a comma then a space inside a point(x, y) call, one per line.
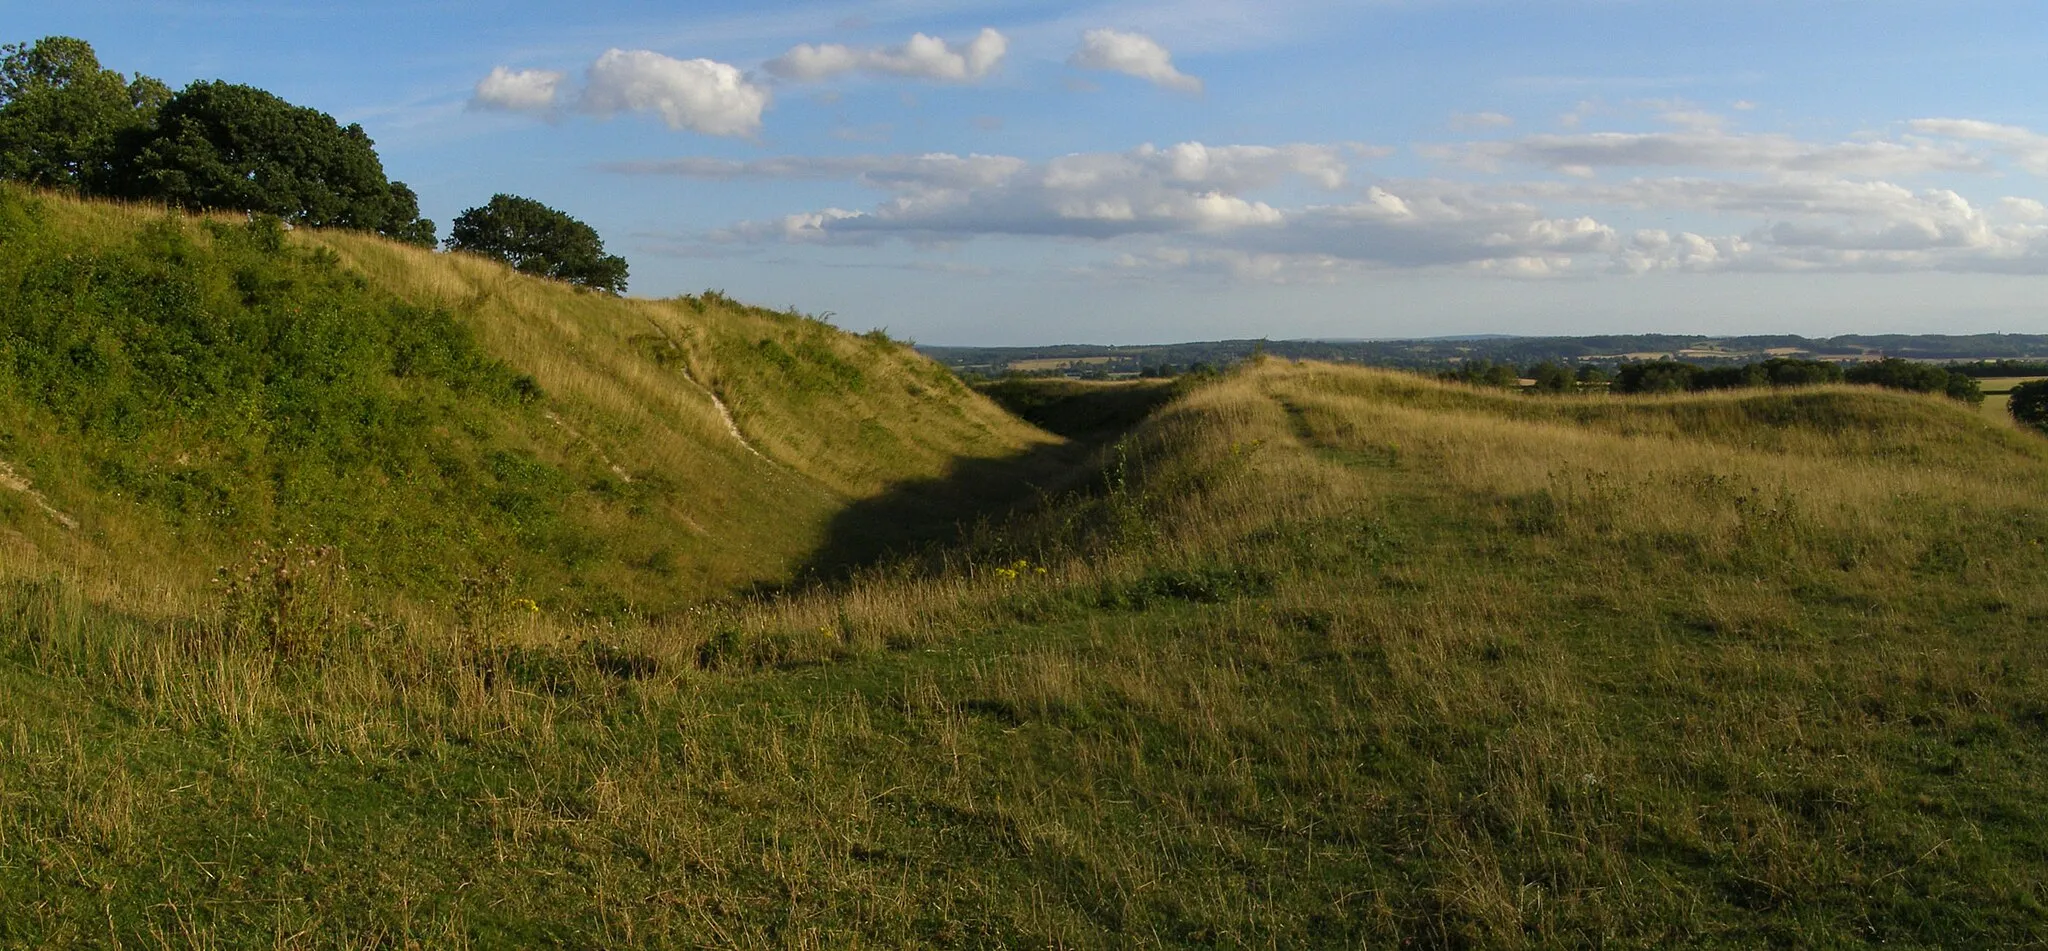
point(186, 388)
point(1308, 656)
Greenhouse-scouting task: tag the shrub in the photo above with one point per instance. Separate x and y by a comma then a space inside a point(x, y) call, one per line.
point(2029, 404)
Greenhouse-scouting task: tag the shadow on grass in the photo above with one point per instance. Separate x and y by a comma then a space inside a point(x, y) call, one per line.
point(927, 516)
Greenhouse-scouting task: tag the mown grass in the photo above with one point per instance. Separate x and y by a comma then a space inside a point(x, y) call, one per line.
point(1322, 657)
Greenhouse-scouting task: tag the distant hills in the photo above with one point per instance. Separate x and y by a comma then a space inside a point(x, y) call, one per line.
point(1440, 352)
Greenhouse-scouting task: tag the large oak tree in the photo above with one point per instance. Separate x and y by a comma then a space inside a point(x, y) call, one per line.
point(223, 145)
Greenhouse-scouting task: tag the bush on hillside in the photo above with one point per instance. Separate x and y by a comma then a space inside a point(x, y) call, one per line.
point(2029, 404)
point(536, 239)
point(236, 385)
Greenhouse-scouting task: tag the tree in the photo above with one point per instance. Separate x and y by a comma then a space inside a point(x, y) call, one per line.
point(1785, 371)
point(2029, 404)
point(61, 113)
point(222, 145)
point(536, 239)
point(1552, 377)
point(1482, 372)
point(1661, 376)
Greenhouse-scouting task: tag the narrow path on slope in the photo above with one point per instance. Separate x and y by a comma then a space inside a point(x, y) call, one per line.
point(9, 479)
point(724, 412)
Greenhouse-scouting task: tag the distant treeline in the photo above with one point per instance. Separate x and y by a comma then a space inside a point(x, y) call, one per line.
point(1990, 369)
point(1675, 376)
point(2000, 351)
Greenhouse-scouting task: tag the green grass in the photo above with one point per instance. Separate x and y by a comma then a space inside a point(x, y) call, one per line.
point(190, 387)
point(1998, 396)
point(1309, 656)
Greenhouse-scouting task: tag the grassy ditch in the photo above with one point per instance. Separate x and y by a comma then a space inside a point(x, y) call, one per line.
point(1321, 657)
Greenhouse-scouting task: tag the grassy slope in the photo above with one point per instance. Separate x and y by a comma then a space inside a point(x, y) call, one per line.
point(187, 388)
point(1331, 657)
point(1326, 656)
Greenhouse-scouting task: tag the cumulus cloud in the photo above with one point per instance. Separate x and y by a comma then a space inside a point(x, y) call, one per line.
point(1133, 54)
point(922, 57)
point(520, 90)
point(699, 95)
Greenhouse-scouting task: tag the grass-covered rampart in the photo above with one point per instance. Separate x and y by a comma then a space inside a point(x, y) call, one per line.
point(354, 595)
point(175, 391)
point(1316, 657)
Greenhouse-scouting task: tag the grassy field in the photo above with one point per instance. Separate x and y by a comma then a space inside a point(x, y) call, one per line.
point(1301, 656)
point(1998, 395)
point(1057, 363)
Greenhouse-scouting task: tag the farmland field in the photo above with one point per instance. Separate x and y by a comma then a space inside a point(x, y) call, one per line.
point(1998, 393)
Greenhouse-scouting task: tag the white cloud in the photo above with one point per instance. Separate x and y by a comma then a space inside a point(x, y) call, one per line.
point(1712, 149)
point(1754, 203)
point(1133, 54)
point(696, 94)
point(904, 173)
point(1189, 188)
point(522, 90)
point(2029, 148)
point(922, 57)
point(699, 95)
point(1229, 168)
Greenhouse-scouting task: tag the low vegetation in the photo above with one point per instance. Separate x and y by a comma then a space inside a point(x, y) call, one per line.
point(1306, 656)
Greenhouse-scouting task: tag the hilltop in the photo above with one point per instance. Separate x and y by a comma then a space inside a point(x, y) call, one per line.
point(1297, 655)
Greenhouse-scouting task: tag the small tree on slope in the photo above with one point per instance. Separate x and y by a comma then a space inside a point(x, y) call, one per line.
point(536, 239)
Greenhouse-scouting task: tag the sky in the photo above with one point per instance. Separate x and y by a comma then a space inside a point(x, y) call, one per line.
point(1017, 172)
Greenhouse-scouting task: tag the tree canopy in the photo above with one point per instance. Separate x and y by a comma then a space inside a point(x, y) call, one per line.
point(223, 145)
point(1916, 377)
point(61, 113)
point(536, 239)
point(66, 122)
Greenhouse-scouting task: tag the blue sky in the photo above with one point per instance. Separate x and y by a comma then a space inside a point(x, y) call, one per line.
point(1152, 170)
